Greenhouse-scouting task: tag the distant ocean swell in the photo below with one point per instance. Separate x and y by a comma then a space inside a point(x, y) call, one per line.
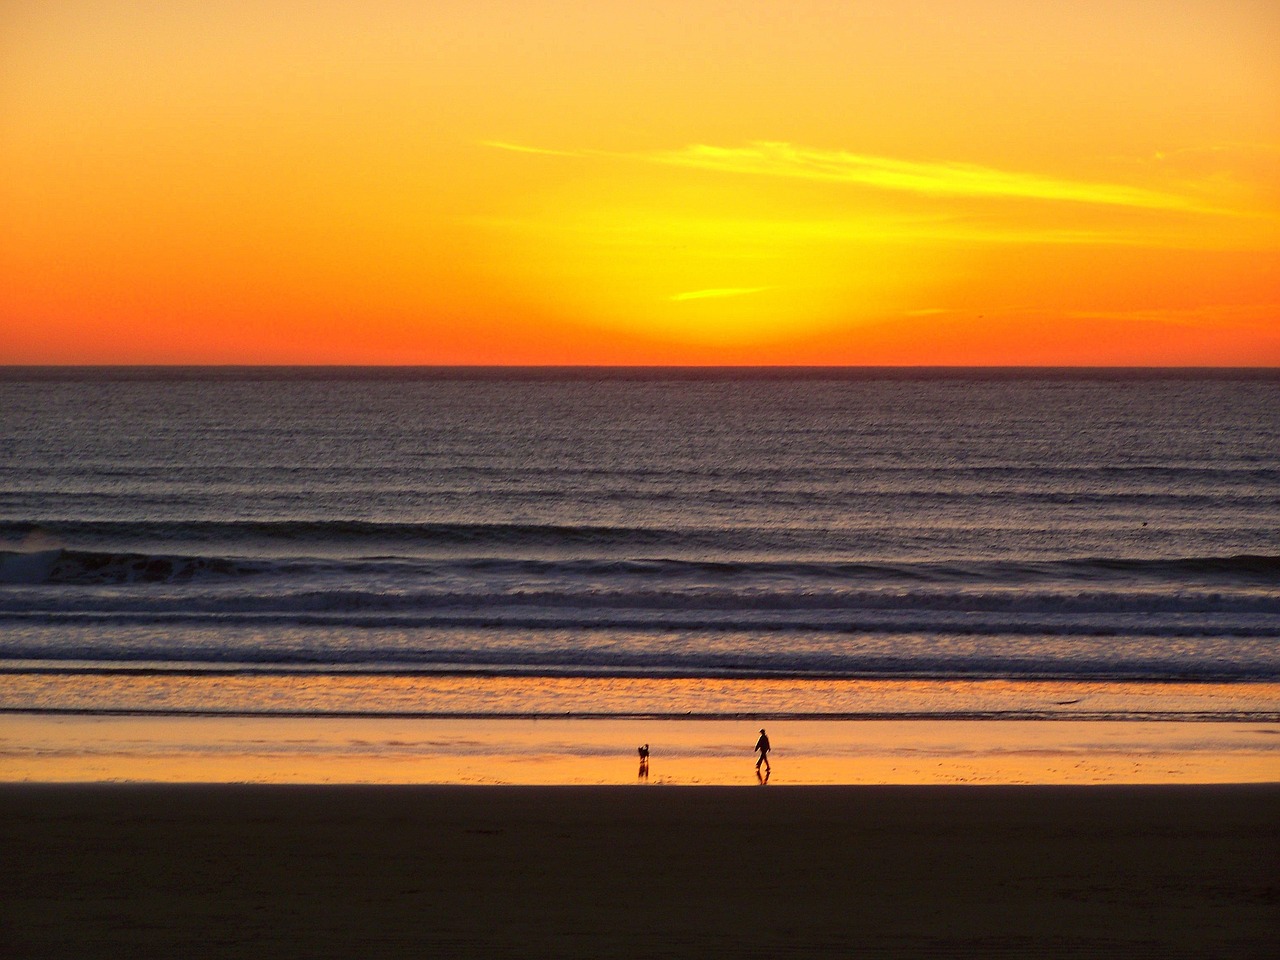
point(72, 566)
point(600, 654)
point(350, 537)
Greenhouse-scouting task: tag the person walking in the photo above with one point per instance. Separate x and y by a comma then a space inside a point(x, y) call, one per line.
point(762, 747)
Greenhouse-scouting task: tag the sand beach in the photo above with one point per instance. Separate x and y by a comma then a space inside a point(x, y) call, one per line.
point(109, 870)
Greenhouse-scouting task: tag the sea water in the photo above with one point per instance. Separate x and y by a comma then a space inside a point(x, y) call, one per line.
point(418, 543)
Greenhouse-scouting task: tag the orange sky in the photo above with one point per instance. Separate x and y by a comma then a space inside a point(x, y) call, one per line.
point(548, 181)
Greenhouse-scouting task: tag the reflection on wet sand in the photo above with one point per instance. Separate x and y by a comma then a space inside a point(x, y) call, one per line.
point(296, 750)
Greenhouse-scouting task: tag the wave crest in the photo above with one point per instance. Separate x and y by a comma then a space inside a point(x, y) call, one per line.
point(98, 567)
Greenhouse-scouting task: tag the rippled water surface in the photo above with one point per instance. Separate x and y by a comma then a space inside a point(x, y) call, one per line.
point(355, 541)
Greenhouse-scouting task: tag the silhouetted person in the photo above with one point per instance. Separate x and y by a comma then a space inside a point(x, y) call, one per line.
point(762, 747)
point(644, 762)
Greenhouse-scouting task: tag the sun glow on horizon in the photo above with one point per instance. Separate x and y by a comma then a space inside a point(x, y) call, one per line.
point(693, 182)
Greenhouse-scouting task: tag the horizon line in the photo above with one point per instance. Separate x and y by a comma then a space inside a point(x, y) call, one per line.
point(641, 366)
point(634, 366)
point(12, 373)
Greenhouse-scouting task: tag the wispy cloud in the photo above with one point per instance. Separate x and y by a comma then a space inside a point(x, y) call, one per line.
point(933, 178)
point(521, 148)
point(930, 178)
point(718, 292)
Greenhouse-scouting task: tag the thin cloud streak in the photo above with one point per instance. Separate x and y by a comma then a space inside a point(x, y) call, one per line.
point(718, 292)
point(784, 160)
point(938, 179)
point(520, 148)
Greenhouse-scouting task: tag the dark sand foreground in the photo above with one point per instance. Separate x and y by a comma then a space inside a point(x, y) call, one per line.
point(235, 871)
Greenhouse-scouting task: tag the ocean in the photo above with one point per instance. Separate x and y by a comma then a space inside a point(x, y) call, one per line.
point(489, 543)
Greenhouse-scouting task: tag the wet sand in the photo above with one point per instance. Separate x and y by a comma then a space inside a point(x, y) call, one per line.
point(602, 752)
point(659, 871)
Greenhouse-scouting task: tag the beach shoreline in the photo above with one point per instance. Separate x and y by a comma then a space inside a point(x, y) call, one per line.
point(603, 752)
point(884, 871)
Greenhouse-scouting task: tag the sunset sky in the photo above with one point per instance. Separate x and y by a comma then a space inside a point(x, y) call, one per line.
point(532, 181)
